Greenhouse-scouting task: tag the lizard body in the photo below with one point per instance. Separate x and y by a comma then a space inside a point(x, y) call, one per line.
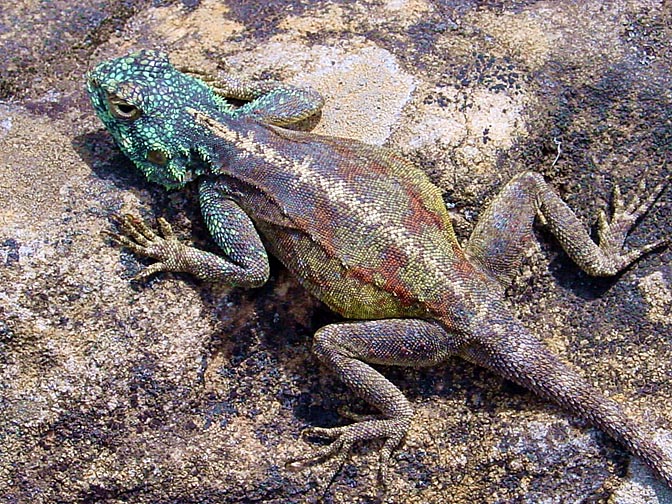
point(364, 231)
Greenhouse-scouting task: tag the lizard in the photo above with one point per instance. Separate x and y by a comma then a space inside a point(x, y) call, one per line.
point(366, 232)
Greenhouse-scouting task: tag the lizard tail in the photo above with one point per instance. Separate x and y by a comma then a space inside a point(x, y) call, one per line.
point(512, 351)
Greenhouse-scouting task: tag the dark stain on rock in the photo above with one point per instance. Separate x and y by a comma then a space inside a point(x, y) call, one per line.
point(53, 38)
point(262, 18)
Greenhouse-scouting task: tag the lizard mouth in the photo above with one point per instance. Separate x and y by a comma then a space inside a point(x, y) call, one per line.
point(172, 182)
point(172, 172)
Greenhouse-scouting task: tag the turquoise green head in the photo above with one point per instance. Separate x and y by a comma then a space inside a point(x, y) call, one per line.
point(144, 102)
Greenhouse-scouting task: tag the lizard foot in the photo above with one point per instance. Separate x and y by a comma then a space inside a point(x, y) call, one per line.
point(140, 239)
point(612, 233)
point(343, 439)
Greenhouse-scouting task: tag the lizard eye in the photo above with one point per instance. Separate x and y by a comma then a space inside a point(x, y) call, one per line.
point(121, 109)
point(157, 157)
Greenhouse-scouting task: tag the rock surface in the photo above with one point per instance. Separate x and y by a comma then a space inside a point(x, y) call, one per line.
point(176, 391)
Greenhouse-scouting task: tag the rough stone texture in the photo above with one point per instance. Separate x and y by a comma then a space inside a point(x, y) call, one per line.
point(176, 391)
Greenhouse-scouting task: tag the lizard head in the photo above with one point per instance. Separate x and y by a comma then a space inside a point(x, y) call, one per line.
point(143, 102)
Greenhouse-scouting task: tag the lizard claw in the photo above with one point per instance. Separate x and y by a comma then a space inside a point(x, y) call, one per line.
point(142, 240)
point(613, 232)
point(343, 439)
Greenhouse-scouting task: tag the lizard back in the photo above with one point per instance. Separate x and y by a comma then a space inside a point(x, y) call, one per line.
point(364, 230)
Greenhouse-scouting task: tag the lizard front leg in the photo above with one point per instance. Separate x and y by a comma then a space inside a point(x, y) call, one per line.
point(271, 102)
point(245, 263)
point(274, 102)
point(348, 349)
point(504, 230)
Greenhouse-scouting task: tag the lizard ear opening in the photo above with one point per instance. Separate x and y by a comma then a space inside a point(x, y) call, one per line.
point(121, 109)
point(157, 157)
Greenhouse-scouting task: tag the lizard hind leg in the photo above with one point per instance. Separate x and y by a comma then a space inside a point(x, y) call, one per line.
point(348, 349)
point(504, 231)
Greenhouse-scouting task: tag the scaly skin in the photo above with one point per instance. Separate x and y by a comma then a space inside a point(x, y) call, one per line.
point(364, 231)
